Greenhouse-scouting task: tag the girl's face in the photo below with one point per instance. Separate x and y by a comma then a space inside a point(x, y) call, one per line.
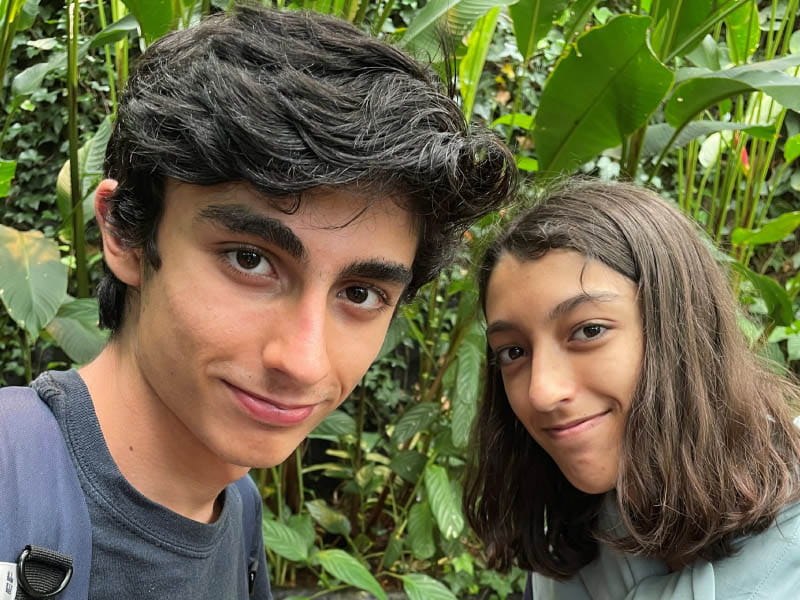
point(566, 334)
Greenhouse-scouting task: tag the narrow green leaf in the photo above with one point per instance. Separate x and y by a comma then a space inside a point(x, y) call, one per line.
point(394, 550)
point(465, 398)
point(33, 280)
point(336, 424)
point(659, 135)
point(791, 149)
point(398, 331)
point(283, 540)
point(75, 328)
point(408, 464)
point(581, 12)
point(345, 567)
point(690, 97)
point(680, 26)
point(770, 232)
point(331, 520)
point(472, 64)
point(417, 418)
point(420, 531)
point(532, 20)
point(155, 17)
point(706, 55)
point(602, 91)
point(8, 169)
point(423, 587)
point(742, 31)
point(457, 15)
point(116, 31)
point(304, 527)
point(444, 505)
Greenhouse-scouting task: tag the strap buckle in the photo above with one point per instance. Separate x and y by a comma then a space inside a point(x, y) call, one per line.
point(43, 573)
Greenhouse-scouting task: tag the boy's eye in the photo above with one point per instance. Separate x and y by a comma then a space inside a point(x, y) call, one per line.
point(365, 297)
point(248, 261)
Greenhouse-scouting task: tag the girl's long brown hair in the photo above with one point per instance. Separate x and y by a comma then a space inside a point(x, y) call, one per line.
point(709, 453)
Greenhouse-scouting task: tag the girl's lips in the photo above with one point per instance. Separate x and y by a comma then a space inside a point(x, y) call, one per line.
point(573, 428)
point(269, 412)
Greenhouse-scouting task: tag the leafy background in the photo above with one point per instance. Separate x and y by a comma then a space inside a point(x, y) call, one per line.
point(699, 100)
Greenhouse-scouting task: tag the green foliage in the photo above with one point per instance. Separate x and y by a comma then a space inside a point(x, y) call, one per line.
point(700, 99)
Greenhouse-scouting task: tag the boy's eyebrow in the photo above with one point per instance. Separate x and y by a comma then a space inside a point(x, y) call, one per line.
point(379, 270)
point(240, 218)
point(560, 309)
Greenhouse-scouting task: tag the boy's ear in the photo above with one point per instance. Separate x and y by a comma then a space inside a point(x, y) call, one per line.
point(123, 261)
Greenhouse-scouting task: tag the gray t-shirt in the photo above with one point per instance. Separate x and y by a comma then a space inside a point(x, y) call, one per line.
point(141, 549)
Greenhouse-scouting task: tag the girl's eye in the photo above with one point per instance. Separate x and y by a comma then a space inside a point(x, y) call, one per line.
point(248, 262)
point(505, 356)
point(589, 332)
point(365, 297)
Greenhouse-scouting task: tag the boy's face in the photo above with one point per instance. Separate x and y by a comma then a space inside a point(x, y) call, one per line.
point(258, 324)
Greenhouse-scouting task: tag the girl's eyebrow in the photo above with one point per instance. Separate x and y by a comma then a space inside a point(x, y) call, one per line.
point(560, 309)
point(240, 218)
point(570, 304)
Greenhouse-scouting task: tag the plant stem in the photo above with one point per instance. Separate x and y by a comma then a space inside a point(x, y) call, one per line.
point(78, 233)
point(26, 355)
point(109, 64)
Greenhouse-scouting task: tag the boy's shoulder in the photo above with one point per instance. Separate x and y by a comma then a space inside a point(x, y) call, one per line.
point(41, 501)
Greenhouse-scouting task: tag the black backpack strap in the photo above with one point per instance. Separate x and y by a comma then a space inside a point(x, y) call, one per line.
point(45, 521)
point(528, 588)
point(255, 556)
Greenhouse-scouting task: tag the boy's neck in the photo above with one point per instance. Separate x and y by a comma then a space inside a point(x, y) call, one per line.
point(153, 450)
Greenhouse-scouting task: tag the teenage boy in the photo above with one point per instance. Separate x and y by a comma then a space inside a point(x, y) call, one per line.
point(277, 183)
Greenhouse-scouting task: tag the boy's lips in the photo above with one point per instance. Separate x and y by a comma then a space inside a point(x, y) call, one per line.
point(269, 411)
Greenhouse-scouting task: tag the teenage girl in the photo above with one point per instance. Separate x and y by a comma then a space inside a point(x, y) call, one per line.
point(628, 445)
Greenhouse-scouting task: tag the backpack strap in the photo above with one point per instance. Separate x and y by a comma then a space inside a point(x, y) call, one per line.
point(45, 520)
point(253, 542)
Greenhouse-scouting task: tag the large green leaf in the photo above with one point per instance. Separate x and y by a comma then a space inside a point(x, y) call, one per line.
point(693, 95)
point(471, 66)
point(779, 305)
point(33, 280)
point(417, 418)
point(742, 31)
point(420, 530)
point(331, 520)
point(345, 567)
point(468, 384)
point(75, 328)
point(770, 232)
point(659, 135)
point(602, 91)
point(155, 17)
point(532, 20)
point(443, 501)
point(423, 587)
point(283, 540)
